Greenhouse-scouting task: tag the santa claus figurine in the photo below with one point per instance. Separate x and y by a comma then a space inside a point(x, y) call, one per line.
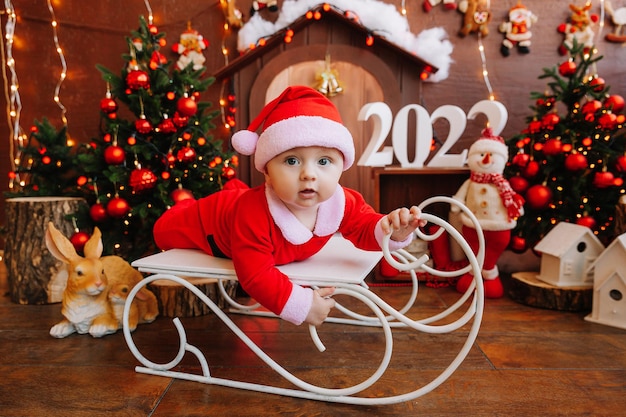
point(517, 30)
point(496, 206)
point(190, 49)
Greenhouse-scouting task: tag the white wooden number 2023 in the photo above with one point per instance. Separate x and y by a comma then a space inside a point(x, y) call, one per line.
point(375, 154)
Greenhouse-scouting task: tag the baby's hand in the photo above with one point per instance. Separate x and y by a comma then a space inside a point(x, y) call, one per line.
point(402, 222)
point(321, 306)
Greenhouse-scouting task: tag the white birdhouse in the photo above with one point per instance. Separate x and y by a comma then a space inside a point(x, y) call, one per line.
point(568, 253)
point(609, 286)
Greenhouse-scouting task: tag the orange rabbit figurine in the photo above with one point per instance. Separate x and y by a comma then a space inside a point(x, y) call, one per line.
point(85, 305)
point(122, 279)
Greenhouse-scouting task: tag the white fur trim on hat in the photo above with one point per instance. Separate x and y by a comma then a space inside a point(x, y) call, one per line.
point(490, 142)
point(302, 131)
point(245, 142)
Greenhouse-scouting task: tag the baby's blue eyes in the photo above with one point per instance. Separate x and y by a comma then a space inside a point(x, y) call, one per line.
point(294, 161)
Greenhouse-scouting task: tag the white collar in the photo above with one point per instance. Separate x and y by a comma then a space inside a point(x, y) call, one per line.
point(329, 216)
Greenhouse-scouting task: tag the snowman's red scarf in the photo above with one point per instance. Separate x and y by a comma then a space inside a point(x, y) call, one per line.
point(511, 200)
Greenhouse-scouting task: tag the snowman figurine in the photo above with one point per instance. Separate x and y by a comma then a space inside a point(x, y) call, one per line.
point(489, 196)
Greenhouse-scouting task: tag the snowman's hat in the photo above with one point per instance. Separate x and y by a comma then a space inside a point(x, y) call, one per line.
point(489, 141)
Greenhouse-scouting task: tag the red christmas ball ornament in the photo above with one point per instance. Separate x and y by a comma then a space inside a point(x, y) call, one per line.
point(114, 155)
point(567, 69)
point(603, 179)
point(521, 159)
point(608, 121)
point(534, 126)
point(171, 159)
point(591, 107)
point(597, 84)
point(550, 120)
point(538, 196)
point(108, 105)
point(186, 154)
point(167, 126)
point(142, 179)
point(519, 184)
point(531, 169)
point(518, 244)
point(78, 240)
point(137, 79)
point(575, 162)
point(620, 163)
point(229, 172)
point(187, 106)
point(118, 207)
point(143, 126)
point(553, 147)
point(586, 221)
point(180, 120)
point(615, 103)
point(98, 213)
point(181, 194)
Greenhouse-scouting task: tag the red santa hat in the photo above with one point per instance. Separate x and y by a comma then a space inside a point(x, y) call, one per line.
point(490, 142)
point(299, 116)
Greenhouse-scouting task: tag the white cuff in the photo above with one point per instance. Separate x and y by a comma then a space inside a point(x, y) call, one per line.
point(298, 305)
point(393, 245)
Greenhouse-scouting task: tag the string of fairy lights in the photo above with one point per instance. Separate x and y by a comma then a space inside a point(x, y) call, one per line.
point(14, 102)
point(63, 75)
point(11, 87)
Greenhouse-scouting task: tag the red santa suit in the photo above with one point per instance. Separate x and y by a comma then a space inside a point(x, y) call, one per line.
point(257, 231)
point(255, 228)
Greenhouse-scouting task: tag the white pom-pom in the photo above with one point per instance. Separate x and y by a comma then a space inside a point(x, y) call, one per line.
point(245, 142)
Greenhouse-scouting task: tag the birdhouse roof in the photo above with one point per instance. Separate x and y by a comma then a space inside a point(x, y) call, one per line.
point(563, 236)
point(618, 244)
point(328, 16)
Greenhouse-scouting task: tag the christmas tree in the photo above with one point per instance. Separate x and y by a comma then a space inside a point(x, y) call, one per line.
point(160, 154)
point(44, 164)
point(569, 162)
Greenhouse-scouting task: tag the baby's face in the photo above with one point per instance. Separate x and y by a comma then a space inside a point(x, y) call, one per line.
point(304, 177)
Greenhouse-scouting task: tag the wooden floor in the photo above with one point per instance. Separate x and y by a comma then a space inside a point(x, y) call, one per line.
point(526, 362)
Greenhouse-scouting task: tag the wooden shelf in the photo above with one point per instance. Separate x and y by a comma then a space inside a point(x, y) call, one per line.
point(397, 187)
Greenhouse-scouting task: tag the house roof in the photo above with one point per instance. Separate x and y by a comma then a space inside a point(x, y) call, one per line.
point(301, 23)
point(618, 243)
point(563, 236)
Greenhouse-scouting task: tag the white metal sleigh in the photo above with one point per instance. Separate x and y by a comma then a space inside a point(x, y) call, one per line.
point(339, 265)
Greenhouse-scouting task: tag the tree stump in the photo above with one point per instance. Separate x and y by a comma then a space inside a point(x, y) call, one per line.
point(34, 275)
point(176, 300)
point(526, 288)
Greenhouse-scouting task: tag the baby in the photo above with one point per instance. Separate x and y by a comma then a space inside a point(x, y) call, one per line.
point(302, 152)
